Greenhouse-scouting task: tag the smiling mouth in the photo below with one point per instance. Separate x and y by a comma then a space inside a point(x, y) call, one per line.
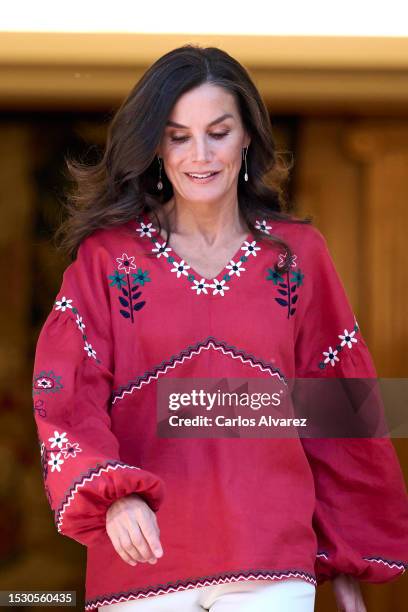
point(200, 176)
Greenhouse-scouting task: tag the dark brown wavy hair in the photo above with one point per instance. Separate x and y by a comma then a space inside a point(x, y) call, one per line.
point(123, 184)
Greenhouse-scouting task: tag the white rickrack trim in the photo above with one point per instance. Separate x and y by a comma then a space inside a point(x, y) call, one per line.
point(202, 583)
point(322, 555)
point(391, 564)
point(86, 479)
point(181, 360)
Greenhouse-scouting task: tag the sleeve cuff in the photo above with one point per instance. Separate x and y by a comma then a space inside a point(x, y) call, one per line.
point(81, 515)
point(373, 569)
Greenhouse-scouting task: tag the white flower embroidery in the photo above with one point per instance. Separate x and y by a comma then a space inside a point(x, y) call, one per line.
point(348, 338)
point(55, 462)
point(160, 250)
point(250, 248)
point(282, 259)
point(262, 226)
point(145, 229)
point(200, 286)
point(235, 268)
point(219, 287)
point(88, 348)
point(63, 304)
point(80, 323)
point(180, 268)
point(58, 439)
point(331, 356)
point(126, 263)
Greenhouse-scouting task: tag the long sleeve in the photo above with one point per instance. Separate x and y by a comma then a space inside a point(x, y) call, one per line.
point(72, 384)
point(361, 512)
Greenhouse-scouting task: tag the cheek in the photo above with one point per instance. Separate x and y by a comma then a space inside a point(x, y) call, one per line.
point(230, 156)
point(173, 159)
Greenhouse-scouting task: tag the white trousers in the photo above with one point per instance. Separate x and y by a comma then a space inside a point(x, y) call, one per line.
point(291, 594)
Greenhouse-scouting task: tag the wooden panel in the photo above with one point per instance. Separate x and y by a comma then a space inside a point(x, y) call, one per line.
point(381, 149)
point(294, 73)
point(352, 175)
point(326, 186)
point(119, 49)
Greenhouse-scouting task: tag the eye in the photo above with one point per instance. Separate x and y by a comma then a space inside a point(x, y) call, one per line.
point(219, 135)
point(216, 135)
point(178, 138)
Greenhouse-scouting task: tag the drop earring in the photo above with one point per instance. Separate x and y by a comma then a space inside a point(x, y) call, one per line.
point(159, 182)
point(244, 157)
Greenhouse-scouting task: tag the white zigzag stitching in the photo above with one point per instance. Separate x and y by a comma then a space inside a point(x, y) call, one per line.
point(181, 360)
point(393, 564)
point(82, 483)
point(200, 584)
point(374, 560)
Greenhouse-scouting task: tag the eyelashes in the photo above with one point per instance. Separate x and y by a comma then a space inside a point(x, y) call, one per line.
point(215, 135)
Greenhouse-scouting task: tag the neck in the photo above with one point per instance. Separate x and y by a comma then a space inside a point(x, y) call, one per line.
point(208, 221)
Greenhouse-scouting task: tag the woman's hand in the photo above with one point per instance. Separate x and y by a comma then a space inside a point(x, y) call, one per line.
point(348, 594)
point(133, 530)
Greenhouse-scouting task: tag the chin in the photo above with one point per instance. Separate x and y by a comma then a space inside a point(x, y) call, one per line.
point(205, 197)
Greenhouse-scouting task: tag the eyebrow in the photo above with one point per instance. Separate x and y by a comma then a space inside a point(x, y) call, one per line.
point(218, 120)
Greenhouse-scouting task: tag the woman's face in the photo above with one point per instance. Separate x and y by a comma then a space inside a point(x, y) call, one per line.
point(204, 134)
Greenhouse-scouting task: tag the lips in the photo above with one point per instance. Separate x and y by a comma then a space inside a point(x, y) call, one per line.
point(202, 175)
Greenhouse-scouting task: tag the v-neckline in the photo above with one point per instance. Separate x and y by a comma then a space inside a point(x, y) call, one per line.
point(183, 268)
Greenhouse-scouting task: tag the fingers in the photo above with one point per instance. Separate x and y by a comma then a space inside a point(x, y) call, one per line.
point(348, 594)
point(125, 548)
point(141, 535)
point(122, 548)
point(150, 535)
point(134, 532)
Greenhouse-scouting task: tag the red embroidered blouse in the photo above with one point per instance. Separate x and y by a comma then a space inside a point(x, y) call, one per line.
point(228, 508)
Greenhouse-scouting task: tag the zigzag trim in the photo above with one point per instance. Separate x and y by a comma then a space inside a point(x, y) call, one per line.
point(83, 479)
point(391, 564)
point(192, 583)
point(187, 353)
point(322, 554)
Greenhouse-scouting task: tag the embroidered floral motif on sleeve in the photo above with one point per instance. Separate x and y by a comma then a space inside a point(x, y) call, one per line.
point(347, 339)
point(64, 304)
point(63, 447)
point(39, 406)
point(46, 382)
point(288, 289)
point(129, 290)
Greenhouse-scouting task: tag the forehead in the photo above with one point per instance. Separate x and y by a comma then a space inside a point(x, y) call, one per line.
point(205, 102)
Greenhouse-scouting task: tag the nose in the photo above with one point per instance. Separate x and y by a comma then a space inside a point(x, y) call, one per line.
point(200, 150)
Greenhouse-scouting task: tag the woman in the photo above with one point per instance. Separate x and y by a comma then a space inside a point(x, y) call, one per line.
point(187, 267)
